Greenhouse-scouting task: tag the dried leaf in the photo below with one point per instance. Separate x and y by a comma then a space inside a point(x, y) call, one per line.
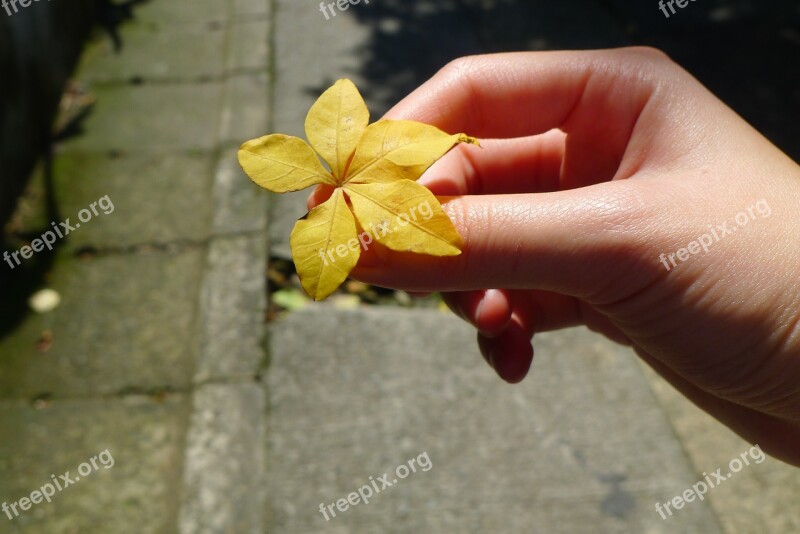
point(373, 167)
point(319, 246)
point(404, 216)
point(335, 124)
point(282, 163)
point(392, 150)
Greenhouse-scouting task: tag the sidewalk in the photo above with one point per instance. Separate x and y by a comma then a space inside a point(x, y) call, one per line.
point(220, 423)
point(157, 343)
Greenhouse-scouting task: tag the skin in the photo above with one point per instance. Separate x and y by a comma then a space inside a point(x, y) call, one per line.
point(593, 165)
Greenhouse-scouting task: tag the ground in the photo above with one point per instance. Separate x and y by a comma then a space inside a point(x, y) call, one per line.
point(160, 352)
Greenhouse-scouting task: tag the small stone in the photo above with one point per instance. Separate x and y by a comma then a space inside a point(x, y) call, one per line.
point(44, 301)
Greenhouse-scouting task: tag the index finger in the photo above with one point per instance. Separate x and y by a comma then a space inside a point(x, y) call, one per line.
point(528, 93)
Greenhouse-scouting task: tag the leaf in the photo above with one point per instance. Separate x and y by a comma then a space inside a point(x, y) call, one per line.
point(391, 150)
point(323, 246)
point(282, 163)
point(335, 124)
point(290, 299)
point(404, 216)
point(373, 173)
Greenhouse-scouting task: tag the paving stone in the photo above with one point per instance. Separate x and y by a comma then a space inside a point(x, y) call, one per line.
point(136, 493)
point(224, 461)
point(126, 322)
point(239, 204)
point(284, 212)
point(177, 11)
point(130, 321)
point(156, 199)
point(581, 446)
point(759, 498)
point(162, 118)
point(304, 68)
point(158, 51)
point(249, 48)
point(245, 114)
point(232, 309)
point(249, 8)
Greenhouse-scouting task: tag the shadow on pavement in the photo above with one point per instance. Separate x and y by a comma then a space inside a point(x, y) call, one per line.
point(743, 51)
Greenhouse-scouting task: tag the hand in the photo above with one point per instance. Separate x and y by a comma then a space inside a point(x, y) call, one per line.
point(614, 191)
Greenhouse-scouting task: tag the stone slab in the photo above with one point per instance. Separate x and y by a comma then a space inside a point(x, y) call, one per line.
point(156, 199)
point(245, 114)
point(232, 309)
point(580, 446)
point(250, 8)
point(156, 51)
point(125, 323)
point(759, 498)
point(249, 48)
point(239, 204)
point(180, 12)
point(222, 488)
point(159, 118)
point(137, 492)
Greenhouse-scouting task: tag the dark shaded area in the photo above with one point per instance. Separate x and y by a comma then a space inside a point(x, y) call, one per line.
point(39, 48)
point(111, 16)
point(745, 51)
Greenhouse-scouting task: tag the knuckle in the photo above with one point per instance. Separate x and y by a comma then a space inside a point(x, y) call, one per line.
point(648, 53)
point(459, 68)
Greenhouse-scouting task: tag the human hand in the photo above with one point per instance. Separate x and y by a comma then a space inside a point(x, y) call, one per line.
point(603, 176)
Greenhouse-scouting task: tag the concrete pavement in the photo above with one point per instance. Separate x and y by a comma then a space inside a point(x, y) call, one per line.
point(219, 423)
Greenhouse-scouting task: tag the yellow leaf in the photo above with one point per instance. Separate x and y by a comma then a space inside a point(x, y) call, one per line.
point(282, 163)
point(325, 246)
point(375, 166)
point(335, 123)
point(404, 216)
point(391, 150)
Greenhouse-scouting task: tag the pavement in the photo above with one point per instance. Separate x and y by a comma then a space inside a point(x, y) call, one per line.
point(159, 354)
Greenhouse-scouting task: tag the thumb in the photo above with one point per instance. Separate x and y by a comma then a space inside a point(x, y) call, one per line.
point(591, 243)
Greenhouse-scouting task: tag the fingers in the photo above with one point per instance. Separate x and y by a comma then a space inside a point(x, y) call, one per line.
point(318, 195)
point(524, 165)
point(487, 310)
point(528, 93)
point(587, 244)
point(510, 354)
point(490, 310)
